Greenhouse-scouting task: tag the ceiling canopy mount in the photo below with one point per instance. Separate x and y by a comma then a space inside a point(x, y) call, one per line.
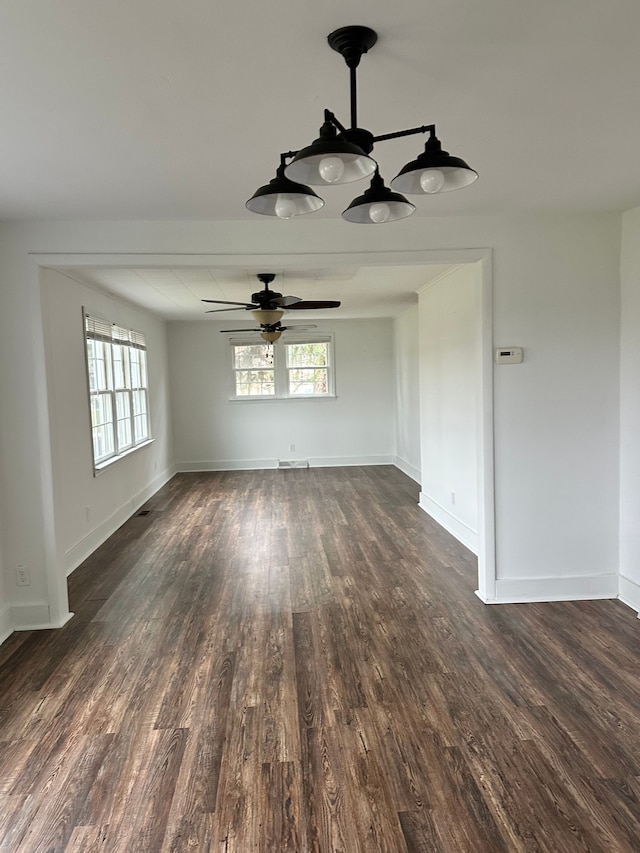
point(340, 155)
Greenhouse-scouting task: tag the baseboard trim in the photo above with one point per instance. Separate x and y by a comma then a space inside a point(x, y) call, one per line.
point(35, 617)
point(348, 461)
point(577, 588)
point(406, 468)
point(264, 464)
point(461, 531)
point(86, 546)
point(226, 465)
point(629, 593)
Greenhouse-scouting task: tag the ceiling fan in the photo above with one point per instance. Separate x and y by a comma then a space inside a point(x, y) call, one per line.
point(270, 332)
point(268, 306)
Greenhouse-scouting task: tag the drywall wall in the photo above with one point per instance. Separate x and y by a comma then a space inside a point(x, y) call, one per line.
point(555, 292)
point(450, 321)
point(211, 431)
point(407, 393)
point(88, 508)
point(630, 410)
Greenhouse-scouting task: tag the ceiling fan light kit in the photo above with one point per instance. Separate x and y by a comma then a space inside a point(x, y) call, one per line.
point(341, 155)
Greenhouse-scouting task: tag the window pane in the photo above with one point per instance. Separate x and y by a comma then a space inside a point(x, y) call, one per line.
point(139, 402)
point(308, 381)
point(99, 373)
point(257, 355)
point(123, 405)
point(141, 428)
point(307, 355)
point(255, 383)
point(142, 355)
point(124, 434)
point(140, 419)
point(134, 365)
point(119, 376)
point(101, 411)
point(102, 442)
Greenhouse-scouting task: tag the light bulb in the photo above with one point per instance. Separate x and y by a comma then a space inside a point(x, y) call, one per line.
point(432, 180)
point(379, 212)
point(285, 208)
point(331, 169)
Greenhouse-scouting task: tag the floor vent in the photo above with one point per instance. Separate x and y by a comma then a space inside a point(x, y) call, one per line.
point(145, 512)
point(293, 463)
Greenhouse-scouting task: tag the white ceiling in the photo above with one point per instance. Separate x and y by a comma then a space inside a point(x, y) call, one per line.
point(176, 293)
point(166, 110)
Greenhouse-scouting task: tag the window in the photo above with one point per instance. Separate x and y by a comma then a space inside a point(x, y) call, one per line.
point(117, 376)
point(299, 367)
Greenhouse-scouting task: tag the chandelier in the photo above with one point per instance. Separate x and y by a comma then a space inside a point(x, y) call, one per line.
point(341, 155)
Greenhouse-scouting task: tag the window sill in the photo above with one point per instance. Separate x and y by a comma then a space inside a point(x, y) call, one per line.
point(102, 466)
point(298, 399)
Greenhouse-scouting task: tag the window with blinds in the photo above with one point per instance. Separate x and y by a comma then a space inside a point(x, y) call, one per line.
point(299, 367)
point(118, 388)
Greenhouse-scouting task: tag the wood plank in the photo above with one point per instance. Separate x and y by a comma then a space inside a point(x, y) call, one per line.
point(296, 661)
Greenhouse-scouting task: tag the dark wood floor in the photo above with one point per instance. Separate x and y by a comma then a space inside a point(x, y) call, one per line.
point(295, 661)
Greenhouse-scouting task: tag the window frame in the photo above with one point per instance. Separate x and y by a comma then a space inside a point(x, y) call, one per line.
point(281, 367)
point(119, 393)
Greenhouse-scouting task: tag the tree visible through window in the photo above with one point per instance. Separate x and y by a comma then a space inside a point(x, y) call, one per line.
point(254, 373)
point(117, 374)
point(307, 368)
point(296, 368)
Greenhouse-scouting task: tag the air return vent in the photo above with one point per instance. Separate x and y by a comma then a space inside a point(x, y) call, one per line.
point(293, 463)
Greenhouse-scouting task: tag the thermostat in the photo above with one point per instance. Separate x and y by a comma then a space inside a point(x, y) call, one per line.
point(509, 355)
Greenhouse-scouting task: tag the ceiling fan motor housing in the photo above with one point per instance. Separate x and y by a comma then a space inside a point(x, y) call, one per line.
point(264, 298)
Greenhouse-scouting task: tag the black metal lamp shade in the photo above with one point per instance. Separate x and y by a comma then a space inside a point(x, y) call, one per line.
point(330, 159)
point(378, 204)
point(434, 171)
point(284, 198)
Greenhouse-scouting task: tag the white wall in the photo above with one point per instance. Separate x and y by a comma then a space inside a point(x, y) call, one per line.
point(555, 292)
point(630, 411)
point(557, 415)
point(407, 393)
point(213, 432)
point(88, 508)
point(6, 618)
point(450, 373)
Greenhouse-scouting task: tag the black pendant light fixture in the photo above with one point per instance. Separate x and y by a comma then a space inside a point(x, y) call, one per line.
point(284, 198)
point(341, 155)
point(378, 204)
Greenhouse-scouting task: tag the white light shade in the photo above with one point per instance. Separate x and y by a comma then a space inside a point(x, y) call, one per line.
point(270, 337)
point(266, 316)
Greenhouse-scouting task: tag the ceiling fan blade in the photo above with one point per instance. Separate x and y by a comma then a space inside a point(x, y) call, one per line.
point(285, 301)
point(226, 331)
point(286, 328)
point(306, 303)
point(227, 302)
point(216, 310)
